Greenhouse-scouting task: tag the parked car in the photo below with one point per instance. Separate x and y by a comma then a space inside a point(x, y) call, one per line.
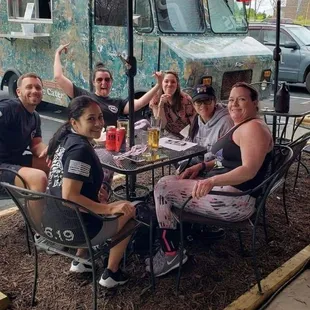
point(294, 66)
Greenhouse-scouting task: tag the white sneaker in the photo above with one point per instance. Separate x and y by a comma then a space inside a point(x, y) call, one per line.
point(79, 267)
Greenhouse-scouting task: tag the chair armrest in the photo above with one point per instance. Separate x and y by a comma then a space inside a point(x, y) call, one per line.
point(112, 217)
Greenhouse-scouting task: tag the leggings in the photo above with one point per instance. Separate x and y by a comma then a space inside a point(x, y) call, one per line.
point(171, 191)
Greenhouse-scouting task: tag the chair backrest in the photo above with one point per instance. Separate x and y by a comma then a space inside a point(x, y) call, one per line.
point(58, 220)
point(282, 156)
point(298, 145)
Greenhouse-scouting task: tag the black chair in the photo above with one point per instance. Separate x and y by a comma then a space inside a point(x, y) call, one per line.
point(63, 223)
point(4, 195)
point(281, 160)
point(299, 146)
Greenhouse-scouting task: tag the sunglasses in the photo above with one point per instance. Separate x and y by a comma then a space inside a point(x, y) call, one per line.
point(203, 102)
point(107, 79)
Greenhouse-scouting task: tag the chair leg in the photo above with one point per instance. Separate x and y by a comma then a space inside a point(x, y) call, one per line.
point(241, 243)
point(34, 288)
point(94, 285)
point(255, 267)
point(297, 172)
point(305, 167)
point(151, 255)
point(284, 202)
point(181, 257)
point(265, 225)
point(28, 232)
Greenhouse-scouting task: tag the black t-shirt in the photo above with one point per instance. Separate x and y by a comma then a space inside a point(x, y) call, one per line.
point(75, 159)
point(17, 129)
point(111, 108)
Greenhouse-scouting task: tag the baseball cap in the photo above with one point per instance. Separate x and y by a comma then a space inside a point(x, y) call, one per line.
point(203, 92)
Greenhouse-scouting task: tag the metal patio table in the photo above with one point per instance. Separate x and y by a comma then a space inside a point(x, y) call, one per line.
point(297, 113)
point(129, 168)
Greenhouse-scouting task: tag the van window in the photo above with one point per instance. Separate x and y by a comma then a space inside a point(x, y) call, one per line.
point(143, 12)
point(227, 16)
point(42, 9)
point(180, 16)
point(111, 12)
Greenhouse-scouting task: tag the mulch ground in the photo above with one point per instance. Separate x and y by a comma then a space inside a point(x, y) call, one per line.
point(215, 275)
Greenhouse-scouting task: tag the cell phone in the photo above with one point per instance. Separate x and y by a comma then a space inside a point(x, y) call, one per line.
point(176, 142)
point(138, 159)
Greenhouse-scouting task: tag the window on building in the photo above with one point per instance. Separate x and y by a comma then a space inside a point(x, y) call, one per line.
point(111, 12)
point(42, 9)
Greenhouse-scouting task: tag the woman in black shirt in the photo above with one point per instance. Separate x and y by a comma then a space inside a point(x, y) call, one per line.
point(76, 175)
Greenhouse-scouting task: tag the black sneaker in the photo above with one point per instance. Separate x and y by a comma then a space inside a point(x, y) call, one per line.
point(111, 279)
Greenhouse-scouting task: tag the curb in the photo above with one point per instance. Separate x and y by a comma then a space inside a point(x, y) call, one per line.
point(252, 299)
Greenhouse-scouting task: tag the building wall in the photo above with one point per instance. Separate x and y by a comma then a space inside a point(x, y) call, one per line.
point(290, 10)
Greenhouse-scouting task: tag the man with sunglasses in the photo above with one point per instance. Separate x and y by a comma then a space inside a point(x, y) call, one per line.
point(112, 108)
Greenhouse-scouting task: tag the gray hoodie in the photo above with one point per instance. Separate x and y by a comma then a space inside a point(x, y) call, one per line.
point(209, 132)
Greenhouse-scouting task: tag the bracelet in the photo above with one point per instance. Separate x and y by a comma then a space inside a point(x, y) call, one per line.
point(204, 167)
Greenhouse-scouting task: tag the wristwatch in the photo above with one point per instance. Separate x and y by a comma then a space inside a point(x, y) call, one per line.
point(218, 164)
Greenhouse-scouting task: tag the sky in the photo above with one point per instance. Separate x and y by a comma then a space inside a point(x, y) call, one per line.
point(265, 6)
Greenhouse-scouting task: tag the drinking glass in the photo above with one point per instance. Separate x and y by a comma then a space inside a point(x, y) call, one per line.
point(124, 123)
point(154, 133)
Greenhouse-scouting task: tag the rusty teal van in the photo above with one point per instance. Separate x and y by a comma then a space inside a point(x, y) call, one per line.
point(204, 41)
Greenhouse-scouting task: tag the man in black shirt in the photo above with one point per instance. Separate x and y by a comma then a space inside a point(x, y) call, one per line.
point(20, 130)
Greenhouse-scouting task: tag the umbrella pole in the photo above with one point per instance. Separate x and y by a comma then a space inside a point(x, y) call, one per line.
point(276, 58)
point(131, 72)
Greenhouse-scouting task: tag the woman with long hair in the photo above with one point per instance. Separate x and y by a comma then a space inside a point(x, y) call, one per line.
point(173, 106)
point(76, 175)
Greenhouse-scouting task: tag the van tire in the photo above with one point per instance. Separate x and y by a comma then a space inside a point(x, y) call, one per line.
point(308, 82)
point(12, 85)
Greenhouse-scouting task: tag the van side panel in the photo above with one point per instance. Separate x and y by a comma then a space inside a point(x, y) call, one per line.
point(70, 24)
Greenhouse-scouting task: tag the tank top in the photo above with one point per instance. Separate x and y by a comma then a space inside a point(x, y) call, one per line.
point(229, 154)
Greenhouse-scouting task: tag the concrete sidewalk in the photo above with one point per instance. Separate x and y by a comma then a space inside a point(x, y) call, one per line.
point(296, 296)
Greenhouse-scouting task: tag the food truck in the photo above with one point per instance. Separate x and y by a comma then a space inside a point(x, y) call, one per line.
point(204, 41)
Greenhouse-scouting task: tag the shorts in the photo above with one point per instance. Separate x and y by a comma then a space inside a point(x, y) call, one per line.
point(9, 177)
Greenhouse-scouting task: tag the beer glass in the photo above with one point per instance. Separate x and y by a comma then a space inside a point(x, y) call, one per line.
point(124, 123)
point(154, 133)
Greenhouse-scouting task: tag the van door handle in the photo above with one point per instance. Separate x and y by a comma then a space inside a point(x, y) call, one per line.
point(281, 59)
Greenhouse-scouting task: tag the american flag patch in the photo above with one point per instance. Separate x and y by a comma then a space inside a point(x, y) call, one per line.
point(78, 167)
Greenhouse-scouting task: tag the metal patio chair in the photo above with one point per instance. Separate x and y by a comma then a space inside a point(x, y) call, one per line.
point(63, 223)
point(4, 195)
point(281, 160)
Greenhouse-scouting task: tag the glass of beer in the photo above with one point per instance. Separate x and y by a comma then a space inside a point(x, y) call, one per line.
point(154, 133)
point(124, 123)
